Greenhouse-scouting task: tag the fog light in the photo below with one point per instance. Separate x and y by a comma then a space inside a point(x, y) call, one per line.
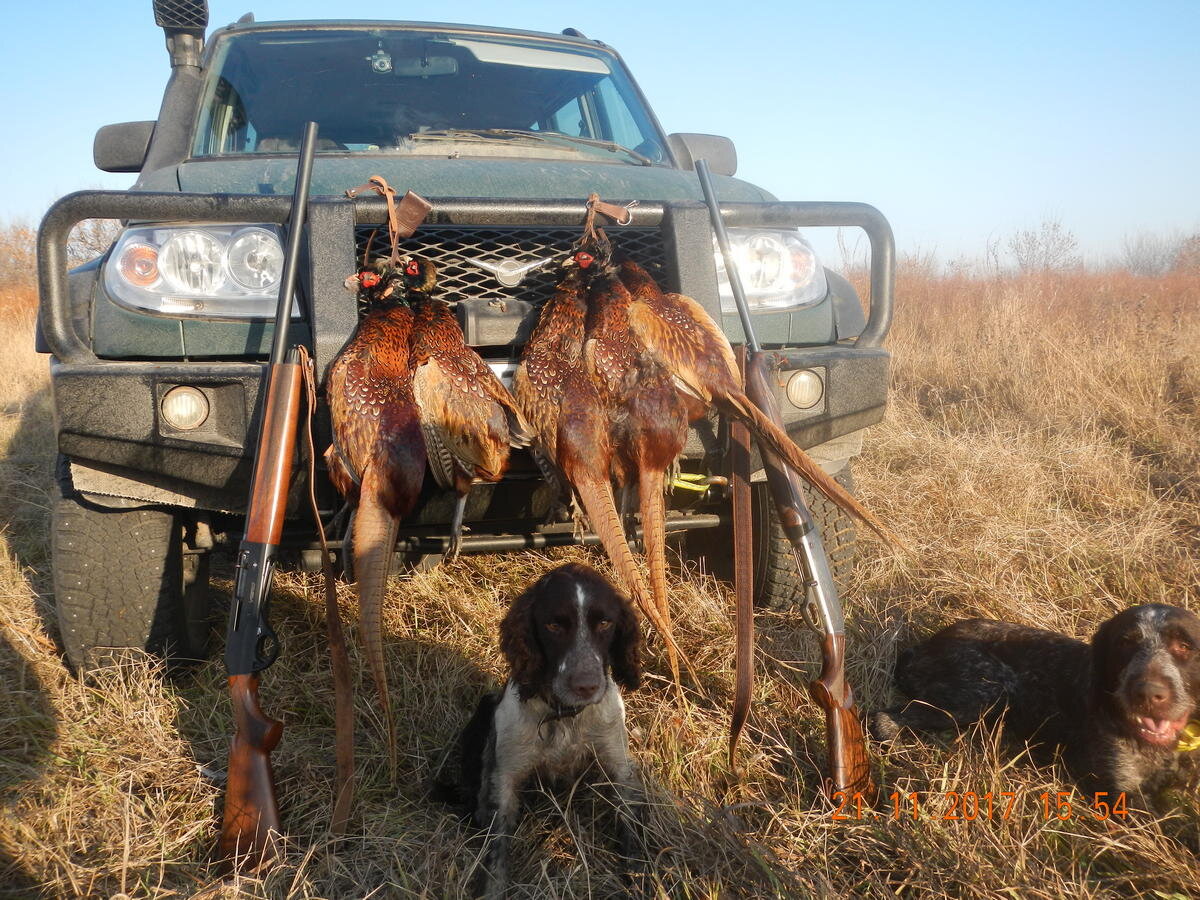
point(185, 408)
point(805, 389)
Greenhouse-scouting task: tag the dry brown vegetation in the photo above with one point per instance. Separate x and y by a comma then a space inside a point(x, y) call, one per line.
point(1040, 457)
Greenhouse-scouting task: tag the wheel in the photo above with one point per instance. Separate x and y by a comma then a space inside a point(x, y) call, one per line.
point(777, 583)
point(121, 580)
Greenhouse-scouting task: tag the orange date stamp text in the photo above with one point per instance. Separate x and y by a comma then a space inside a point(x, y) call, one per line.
point(979, 806)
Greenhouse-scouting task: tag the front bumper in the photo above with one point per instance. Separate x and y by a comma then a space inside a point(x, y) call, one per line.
point(107, 412)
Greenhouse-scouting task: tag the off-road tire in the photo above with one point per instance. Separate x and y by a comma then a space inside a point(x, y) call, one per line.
point(122, 581)
point(777, 584)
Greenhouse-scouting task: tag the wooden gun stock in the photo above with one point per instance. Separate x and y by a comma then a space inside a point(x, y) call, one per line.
point(251, 822)
point(849, 767)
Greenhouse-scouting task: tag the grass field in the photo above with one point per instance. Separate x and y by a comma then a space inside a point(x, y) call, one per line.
point(1040, 457)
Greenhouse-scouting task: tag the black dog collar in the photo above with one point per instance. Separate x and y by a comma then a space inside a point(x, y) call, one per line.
point(558, 713)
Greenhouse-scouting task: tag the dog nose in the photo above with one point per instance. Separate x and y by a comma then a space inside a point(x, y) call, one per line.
point(585, 689)
point(1154, 693)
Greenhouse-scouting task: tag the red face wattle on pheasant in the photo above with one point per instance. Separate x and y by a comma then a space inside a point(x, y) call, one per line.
point(584, 259)
point(420, 275)
point(372, 283)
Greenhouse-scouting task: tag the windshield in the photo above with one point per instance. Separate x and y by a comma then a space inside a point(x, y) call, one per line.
point(390, 90)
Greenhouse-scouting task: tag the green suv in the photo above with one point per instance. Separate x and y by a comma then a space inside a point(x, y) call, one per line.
point(157, 349)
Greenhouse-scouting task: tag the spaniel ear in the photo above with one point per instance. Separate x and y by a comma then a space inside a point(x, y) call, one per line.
point(519, 644)
point(626, 649)
point(1106, 662)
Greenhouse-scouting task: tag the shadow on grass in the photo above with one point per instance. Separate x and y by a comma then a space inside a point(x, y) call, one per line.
point(25, 709)
point(26, 492)
point(30, 729)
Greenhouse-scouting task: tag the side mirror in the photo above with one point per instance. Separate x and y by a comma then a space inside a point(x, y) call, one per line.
point(122, 147)
point(719, 151)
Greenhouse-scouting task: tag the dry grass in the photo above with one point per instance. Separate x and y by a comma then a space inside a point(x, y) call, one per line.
point(1040, 457)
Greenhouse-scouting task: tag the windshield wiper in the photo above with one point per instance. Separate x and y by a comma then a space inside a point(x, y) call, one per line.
point(508, 134)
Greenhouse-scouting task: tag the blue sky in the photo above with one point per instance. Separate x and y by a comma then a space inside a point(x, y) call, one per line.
point(962, 122)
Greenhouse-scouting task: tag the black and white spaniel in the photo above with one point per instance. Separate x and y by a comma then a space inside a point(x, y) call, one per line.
point(571, 641)
point(1119, 709)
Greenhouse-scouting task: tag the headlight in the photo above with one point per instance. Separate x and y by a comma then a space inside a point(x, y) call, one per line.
point(256, 259)
point(223, 271)
point(779, 270)
point(191, 263)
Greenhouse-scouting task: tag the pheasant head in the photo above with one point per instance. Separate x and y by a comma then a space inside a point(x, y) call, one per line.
point(375, 283)
point(590, 255)
point(419, 274)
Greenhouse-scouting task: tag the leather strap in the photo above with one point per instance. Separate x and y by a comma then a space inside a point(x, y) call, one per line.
point(743, 574)
point(411, 213)
point(621, 215)
point(403, 218)
point(339, 657)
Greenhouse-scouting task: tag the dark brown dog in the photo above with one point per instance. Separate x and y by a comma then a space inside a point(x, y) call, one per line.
point(1115, 708)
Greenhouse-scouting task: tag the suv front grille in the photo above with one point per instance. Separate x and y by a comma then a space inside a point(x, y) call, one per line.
point(450, 248)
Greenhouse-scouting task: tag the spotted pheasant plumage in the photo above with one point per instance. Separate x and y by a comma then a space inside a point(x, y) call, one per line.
point(378, 456)
point(572, 425)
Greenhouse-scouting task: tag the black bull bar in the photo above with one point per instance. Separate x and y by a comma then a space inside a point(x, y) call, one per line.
point(330, 223)
point(67, 345)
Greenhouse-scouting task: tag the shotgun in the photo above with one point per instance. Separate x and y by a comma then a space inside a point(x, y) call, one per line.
point(251, 822)
point(849, 766)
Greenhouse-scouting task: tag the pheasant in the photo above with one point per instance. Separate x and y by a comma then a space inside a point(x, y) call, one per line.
point(469, 418)
point(571, 424)
point(676, 332)
point(659, 362)
point(377, 457)
point(650, 430)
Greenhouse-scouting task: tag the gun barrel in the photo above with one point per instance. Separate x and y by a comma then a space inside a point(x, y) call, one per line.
point(735, 281)
point(291, 257)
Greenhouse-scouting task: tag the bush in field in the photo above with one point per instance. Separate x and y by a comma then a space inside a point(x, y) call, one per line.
point(18, 258)
point(91, 238)
point(1047, 248)
point(1187, 259)
point(18, 269)
point(1146, 253)
point(17, 265)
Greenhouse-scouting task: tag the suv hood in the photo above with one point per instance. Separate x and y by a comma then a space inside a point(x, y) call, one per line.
point(439, 177)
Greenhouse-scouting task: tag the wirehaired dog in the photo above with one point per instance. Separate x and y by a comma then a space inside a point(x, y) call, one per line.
point(1116, 708)
point(571, 641)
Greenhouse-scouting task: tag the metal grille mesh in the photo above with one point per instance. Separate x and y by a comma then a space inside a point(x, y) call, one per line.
point(451, 246)
point(180, 14)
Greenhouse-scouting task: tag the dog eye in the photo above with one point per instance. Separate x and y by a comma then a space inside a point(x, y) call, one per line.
point(604, 625)
point(553, 627)
point(1182, 646)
